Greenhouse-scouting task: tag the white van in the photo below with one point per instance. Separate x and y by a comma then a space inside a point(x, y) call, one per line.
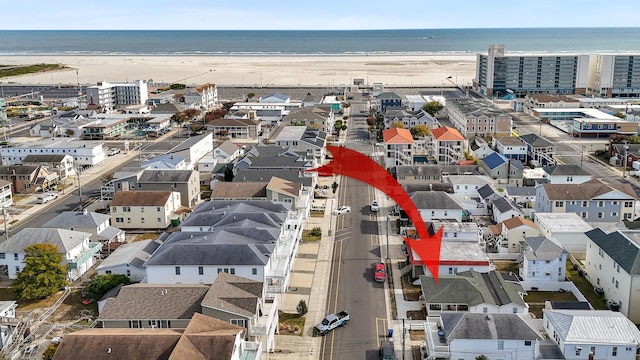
point(44, 198)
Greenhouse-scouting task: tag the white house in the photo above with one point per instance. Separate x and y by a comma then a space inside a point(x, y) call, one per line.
point(166, 162)
point(128, 259)
point(304, 140)
point(605, 334)
point(203, 96)
point(566, 174)
point(613, 265)
point(87, 221)
point(448, 145)
point(436, 205)
point(507, 236)
point(193, 149)
point(510, 147)
point(398, 147)
point(85, 153)
point(77, 251)
point(543, 261)
point(467, 185)
point(504, 209)
point(8, 322)
point(226, 152)
point(565, 229)
point(144, 209)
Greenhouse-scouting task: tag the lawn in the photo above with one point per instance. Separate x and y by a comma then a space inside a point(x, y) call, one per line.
point(146, 236)
point(409, 291)
point(598, 302)
point(314, 234)
point(290, 324)
point(72, 308)
point(542, 296)
point(13, 70)
point(507, 266)
point(317, 213)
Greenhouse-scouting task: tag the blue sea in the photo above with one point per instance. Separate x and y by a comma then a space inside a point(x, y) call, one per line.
point(365, 42)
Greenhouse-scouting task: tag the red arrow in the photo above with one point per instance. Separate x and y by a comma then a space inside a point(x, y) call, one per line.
point(357, 166)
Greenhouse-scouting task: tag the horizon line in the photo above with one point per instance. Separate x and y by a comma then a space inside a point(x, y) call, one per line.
point(372, 29)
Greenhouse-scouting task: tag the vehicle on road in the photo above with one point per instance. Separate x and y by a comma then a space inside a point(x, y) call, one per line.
point(343, 210)
point(333, 321)
point(46, 197)
point(114, 151)
point(379, 272)
point(387, 352)
point(374, 206)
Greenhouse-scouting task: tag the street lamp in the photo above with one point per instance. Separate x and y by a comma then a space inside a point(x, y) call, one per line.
point(388, 221)
point(581, 155)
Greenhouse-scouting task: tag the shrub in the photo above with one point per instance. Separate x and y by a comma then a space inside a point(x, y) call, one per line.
point(316, 231)
point(302, 308)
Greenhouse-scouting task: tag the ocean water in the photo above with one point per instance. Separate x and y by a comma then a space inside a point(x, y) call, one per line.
point(365, 42)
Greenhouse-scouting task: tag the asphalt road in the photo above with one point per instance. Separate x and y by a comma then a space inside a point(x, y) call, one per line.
point(356, 249)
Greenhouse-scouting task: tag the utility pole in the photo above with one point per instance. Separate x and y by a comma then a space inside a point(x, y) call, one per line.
point(404, 335)
point(388, 220)
point(79, 188)
point(4, 216)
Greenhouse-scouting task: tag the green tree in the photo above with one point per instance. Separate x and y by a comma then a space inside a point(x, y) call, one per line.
point(620, 115)
point(42, 275)
point(99, 285)
point(228, 174)
point(432, 107)
point(482, 357)
point(302, 308)
point(397, 125)
point(177, 86)
point(251, 95)
point(343, 127)
point(51, 350)
point(420, 130)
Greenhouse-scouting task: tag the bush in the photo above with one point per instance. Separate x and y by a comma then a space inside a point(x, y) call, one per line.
point(302, 308)
point(100, 284)
point(316, 231)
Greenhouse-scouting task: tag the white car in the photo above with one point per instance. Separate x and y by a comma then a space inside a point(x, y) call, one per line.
point(343, 210)
point(374, 206)
point(46, 197)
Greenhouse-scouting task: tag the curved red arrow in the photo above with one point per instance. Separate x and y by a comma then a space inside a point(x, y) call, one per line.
point(357, 166)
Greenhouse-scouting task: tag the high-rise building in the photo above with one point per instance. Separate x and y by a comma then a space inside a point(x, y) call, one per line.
point(614, 75)
point(112, 95)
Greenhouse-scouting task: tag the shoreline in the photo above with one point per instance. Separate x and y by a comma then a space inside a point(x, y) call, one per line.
point(251, 70)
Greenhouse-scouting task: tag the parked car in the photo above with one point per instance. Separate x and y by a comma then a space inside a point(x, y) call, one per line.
point(374, 206)
point(379, 272)
point(46, 197)
point(332, 321)
point(114, 151)
point(343, 210)
point(387, 352)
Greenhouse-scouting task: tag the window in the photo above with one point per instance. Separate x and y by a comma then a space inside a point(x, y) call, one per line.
point(2, 256)
point(485, 310)
point(126, 208)
point(114, 209)
point(158, 209)
point(527, 343)
point(177, 270)
point(578, 350)
point(159, 220)
point(585, 204)
point(200, 270)
point(135, 324)
point(17, 269)
point(583, 215)
point(593, 350)
point(559, 203)
point(614, 351)
point(628, 204)
point(600, 203)
point(142, 220)
point(119, 220)
point(600, 215)
point(238, 322)
point(500, 345)
point(15, 256)
point(254, 271)
point(233, 272)
point(128, 220)
point(616, 284)
point(515, 310)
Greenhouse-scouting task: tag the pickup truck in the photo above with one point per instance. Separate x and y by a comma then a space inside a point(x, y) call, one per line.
point(332, 321)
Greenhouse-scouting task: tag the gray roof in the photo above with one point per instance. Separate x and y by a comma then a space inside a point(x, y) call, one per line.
point(133, 254)
point(503, 205)
point(187, 144)
point(566, 170)
point(486, 190)
point(166, 158)
point(225, 213)
point(622, 250)
point(234, 294)
point(521, 190)
point(235, 246)
point(487, 326)
point(388, 96)
point(433, 200)
point(535, 140)
point(154, 302)
point(165, 176)
point(243, 175)
point(45, 158)
point(471, 288)
point(77, 219)
point(228, 147)
point(593, 327)
point(433, 170)
point(541, 248)
point(65, 240)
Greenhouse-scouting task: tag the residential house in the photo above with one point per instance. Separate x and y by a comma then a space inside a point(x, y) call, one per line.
point(54, 163)
point(128, 259)
point(488, 193)
point(238, 191)
point(304, 140)
point(503, 209)
point(618, 152)
point(548, 101)
point(566, 174)
point(463, 336)
point(399, 146)
point(8, 322)
point(6, 194)
point(144, 209)
point(387, 100)
point(233, 128)
point(306, 179)
point(96, 224)
point(45, 129)
point(523, 196)
point(226, 152)
point(540, 152)
point(471, 292)
point(166, 162)
point(28, 179)
point(565, 229)
point(603, 334)
point(410, 118)
point(186, 182)
point(203, 96)
point(448, 146)
point(502, 169)
point(510, 148)
point(77, 251)
point(204, 338)
point(193, 149)
point(542, 261)
point(319, 117)
point(271, 157)
point(479, 148)
point(436, 205)
point(594, 201)
point(477, 117)
point(85, 153)
point(508, 235)
point(432, 173)
point(467, 185)
point(613, 266)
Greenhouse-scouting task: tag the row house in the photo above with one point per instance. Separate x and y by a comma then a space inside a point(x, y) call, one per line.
point(510, 147)
point(540, 152)
point(399, 147)
point(203, 96)
point(84, 153)
point(27, 179)
point(319, 117)
point(593, 200)
point(245, 129)
point(185, 182)
point(432, 173)
point(474, 117)
point(62, 164)
point(144, 209)
point(303, 139)
point(409, 119)
point(448, 146)
point(548, 101)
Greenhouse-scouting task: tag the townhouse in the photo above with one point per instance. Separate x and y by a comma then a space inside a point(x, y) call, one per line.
point(448, 146)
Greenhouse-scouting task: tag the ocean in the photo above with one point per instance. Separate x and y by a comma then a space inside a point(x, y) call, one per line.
point(365, 42)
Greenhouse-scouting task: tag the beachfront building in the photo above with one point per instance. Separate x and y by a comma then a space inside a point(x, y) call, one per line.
point(614, 75)
point(499, 74)
point(549, 101)
point(399, 146)
point(387, 100)
point(410, 118)
point(203, 96)
point(448, 146)
point(85, 153)
point(114, 95)
point(476, 117)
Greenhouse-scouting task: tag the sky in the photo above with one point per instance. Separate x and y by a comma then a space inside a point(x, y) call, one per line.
point(312, 15)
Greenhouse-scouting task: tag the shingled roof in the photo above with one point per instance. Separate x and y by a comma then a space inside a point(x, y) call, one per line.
point(586, 191)
point(620, 248)
point(235, 294)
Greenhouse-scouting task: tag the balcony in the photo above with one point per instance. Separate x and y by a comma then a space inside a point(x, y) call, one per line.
point(251, 350)
point(436, 339)
point(93, 249)
point(265, 324)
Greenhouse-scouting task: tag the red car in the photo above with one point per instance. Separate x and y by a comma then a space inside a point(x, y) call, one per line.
point(379, 272)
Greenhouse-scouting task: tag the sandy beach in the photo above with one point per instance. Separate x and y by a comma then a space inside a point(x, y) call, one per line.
point(256, 71)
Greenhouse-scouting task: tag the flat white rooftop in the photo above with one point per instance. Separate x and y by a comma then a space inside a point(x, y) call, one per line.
point(562, 222)
point(591, 114)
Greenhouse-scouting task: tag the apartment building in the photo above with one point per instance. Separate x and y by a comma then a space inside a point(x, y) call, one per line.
point(474, 117)
point(114, 95)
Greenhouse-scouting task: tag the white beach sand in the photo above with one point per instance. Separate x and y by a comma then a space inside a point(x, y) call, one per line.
point(255, 71)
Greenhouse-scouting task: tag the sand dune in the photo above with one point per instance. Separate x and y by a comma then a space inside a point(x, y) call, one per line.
point(253, 70)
